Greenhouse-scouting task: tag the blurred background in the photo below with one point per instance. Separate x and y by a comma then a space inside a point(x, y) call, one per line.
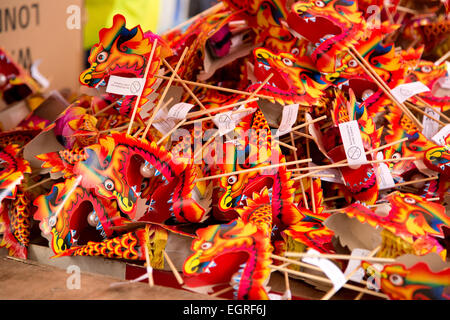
point(55, 35)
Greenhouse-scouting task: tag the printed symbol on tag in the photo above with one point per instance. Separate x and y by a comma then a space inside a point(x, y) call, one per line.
point(406, 92)
point(135, 87)
point(224, 118)
point(354, 152)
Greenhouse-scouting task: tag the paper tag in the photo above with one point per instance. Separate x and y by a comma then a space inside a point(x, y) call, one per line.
point(180, 110)
point(405, 91)
point(329, 268)
point(383, 174)
point(444, 82)
point(430, 127)
point(353, 264)
point(288, 119)
point(439, 137)
point(353, 145)
point(125, 86)
point(166, 124)
point(226, 121)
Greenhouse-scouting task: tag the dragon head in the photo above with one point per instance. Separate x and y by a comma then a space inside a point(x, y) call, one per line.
point(415, 283)
point(438, 159)
point(332, 26)
point(121, 52)
point(295, 79)
point(416, 216)
point(12, 170)
point(427, 73)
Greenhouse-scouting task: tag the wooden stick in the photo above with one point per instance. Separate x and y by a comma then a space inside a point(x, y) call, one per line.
point(179, 124)
point(199, 152)
point(412, 106)
point(172, 267)
point(108, 107)
point(326, 280)
point(338, 165)
point(151, 282)
point(166, 89)
point(333, 198)
point(212, 117)
point(285, 145)
point(137, 132)
point(308, 123)
point(415, 181)
point(200, 113)
point(359, 296)
point(427, 105)
point(338, 257)
point(184, 85)
point(38, 184)
point(209, 86)
point(283, 164)
point(286, 284)
point(138, 99)
point(332, 291)
point(301, 134)
point(311, 181)
point(443, 58)
point(368, 152)
point(383, 86)
point(302, 187)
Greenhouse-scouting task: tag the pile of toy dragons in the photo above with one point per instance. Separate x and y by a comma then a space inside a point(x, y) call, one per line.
point(249, 199)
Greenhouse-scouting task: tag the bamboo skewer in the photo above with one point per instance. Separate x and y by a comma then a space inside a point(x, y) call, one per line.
point(369, 152)
point(443, 58)
point(38, 184)
point(166, 89)
point(338, 257)
point(138, 99)
point(415, 181)
point(184, 85)
point(383, 86)
point(151, 282)
point(283, 164)
point(412, 106)
point(332, 291)
point(427, 105)
point(179, 124)
point(326, 280)
point(209, 86)
point(212, 117)
point(220, 292)
point(172, 267)
point(111, 105)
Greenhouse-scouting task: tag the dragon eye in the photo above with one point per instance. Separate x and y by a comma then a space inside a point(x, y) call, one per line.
point(144, 184)
point(232, 180)
point(288, 62)
point(109, 184)
point(396, 279)
point(206, 245)
point(295, 51)
point(352, 63)
point(426, 69)
point(52, 221)
point(102, 56)
point(410, 200)
point(319, 4)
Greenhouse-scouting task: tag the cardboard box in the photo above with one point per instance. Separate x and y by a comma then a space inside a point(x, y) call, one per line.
point(50, 30)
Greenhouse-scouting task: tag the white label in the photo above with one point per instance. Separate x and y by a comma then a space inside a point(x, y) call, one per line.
point(405, 91)
point(444, 82)
point(353, 145)
point(430, 127)
point(180, 110)
point(384, 177)
point(288, 119)
point(329, 268)
point(354, 263)
point(439, 137)
point(226, 121)
point(125, 86)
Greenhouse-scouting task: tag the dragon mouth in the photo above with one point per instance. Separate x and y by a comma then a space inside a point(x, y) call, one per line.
point(322, 32)
point(361, 186)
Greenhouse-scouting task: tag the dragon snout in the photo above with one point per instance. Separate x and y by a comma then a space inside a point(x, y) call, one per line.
point(86, 76)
